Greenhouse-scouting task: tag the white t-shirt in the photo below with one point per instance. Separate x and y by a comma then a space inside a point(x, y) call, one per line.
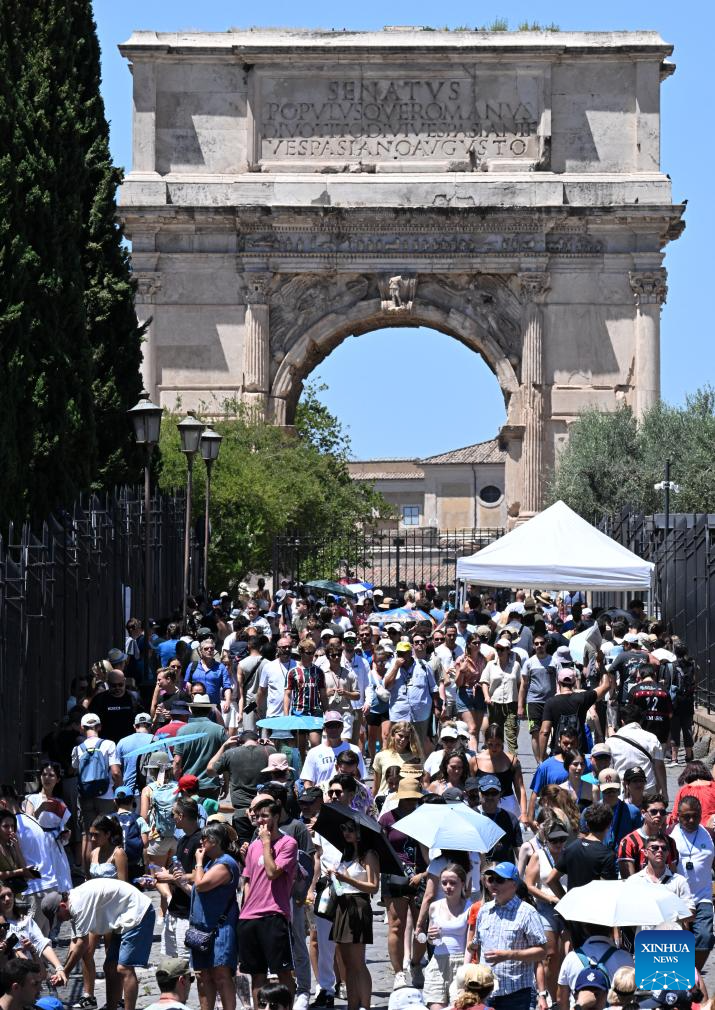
point(273, 678)
point(595, 948)
point(27, 928)
point(446, 657)
point(107, 747)
point(696, 848)
point(361, 669)
point(330, 855)
point(36, 847)
point(106, 905)
point(319, 763)
point(624, 755)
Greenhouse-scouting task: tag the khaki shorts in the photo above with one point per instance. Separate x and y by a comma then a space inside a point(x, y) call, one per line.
point(440, 985)
point(161, 847)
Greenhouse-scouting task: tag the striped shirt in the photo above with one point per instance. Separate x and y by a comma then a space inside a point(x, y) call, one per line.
point(305, 685)
point(513, 926)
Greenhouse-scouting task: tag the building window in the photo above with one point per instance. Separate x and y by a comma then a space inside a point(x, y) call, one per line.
point(490, 494)
point(410, 515)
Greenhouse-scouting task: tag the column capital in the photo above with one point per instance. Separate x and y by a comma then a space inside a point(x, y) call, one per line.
point(148, 285)
point(649, 286)
point(256, 287)
point(534, 284)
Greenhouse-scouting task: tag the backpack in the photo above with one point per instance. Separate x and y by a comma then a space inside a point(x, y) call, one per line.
point(132, 843)
point(162, 804)
point(589, 962)
point(569, 724)
point(93, 777)
point(678, 678)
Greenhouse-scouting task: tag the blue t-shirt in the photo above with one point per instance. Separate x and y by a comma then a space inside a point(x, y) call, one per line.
point(127, 755)
point(550, 772)
point(626, 818)
point(166, 651)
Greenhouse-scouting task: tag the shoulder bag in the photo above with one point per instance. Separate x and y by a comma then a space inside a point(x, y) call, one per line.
point(201, 940)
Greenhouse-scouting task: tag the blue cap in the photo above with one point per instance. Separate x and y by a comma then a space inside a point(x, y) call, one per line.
point(215, 603)
point(49, 1003)
point(121, 792)
point(591, 978)
point(487, 782)
point(507, 871)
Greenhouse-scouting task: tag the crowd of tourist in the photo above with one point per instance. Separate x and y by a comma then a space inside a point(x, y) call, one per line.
point(250, 793)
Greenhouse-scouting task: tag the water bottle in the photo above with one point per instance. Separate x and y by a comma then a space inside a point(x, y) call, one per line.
point(175, 864)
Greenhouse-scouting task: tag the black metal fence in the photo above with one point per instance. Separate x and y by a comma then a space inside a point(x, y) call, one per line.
point(65, 594)
point(383, 557)
point(684, 585)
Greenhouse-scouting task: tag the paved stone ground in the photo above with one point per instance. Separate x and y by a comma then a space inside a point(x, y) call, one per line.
point(378, 963)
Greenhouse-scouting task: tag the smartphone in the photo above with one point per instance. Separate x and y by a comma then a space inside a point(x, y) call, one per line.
point(10, 942)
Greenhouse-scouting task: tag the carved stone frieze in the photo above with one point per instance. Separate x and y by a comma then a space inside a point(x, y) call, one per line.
point(256, 290)
point(300, 300)
point(534, 284)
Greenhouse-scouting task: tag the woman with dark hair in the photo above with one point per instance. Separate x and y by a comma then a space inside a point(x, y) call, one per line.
point(274, 996)
point(580, 791)
point(13, 869)
point(214, 909)
point(696, 780)
point(494, 760)
point(453, 773)
point(470, 703)
point(356, 878)
point(53, 816)
point(28, 932)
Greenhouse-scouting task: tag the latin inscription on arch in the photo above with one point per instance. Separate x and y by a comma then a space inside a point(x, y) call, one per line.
point(398, 118)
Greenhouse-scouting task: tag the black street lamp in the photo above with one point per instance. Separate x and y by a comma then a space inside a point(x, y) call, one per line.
point(210, 445)
point(146, 418)
point(190, 431)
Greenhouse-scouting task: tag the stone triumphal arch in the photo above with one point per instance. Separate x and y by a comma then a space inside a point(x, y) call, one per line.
point(290, 188)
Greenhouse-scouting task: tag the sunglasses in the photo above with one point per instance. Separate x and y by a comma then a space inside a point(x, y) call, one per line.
point(657, 812)
point(333, 655)
point(491, 879)
point(658, 848)
point(335, 792)
point(419, 641)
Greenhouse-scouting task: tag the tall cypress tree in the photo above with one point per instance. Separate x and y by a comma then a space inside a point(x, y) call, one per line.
point(69, 339)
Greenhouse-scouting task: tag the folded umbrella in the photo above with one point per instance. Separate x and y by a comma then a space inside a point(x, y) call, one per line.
point(632, 902)
point(372, 835)
point(308, 723)
point(451, 826)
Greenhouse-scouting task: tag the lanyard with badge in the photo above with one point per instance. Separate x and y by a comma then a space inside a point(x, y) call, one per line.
point(690, 865)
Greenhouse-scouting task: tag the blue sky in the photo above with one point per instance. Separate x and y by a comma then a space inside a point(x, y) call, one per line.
point(399, 390)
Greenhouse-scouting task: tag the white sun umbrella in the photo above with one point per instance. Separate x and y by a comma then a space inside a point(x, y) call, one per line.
point(450, 826)
point(633, 902)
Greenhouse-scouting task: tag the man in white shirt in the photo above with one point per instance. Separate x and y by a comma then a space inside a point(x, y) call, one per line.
point(273, 677)
point(256, 621)
point(91, 807)
point(319, 765)
point(107, 905)
point(634, 747)
point(338, 618)
point(696, 852)
point(657, 871)
point(361, 669)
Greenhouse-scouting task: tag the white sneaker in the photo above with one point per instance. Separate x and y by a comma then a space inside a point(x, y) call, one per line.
point(400, 980)
point(301, 1001)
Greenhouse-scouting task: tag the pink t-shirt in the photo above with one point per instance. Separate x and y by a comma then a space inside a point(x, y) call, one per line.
point(270, 897)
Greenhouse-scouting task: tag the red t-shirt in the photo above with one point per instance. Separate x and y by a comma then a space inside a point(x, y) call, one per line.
point(633, 847)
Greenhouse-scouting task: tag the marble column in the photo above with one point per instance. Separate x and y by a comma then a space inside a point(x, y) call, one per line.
point(148, 285)
point(650, 291)
point(256, 344)
point(534, 285)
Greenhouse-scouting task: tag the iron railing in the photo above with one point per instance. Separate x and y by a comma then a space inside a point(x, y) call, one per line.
point(384, 557)
point(684, 584)
point(66, 592)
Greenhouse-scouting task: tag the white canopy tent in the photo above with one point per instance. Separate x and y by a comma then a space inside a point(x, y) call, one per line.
point(557, 549)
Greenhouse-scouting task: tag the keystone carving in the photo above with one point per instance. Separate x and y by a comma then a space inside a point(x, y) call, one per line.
point(256, 291)
point(148, 286)
point(397, 293)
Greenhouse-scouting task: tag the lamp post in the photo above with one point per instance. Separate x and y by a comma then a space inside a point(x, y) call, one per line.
point(146, 418)
point(210, 445)
point(190, 431)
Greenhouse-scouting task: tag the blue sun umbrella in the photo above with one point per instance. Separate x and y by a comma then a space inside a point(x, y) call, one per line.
point(164, 742)
point(307, 723)
point(400, 615)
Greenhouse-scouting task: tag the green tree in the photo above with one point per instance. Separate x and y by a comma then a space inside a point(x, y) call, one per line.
point(65, 301)
point(268, 479)
point(612, 461)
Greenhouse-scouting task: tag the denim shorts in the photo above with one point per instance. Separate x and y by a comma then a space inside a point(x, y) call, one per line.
point(703, 925)
point(133, 947)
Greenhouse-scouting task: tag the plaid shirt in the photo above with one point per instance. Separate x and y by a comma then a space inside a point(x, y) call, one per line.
point(305, 685)
point(513, 926)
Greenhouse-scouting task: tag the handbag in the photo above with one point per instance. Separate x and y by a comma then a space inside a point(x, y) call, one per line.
point(326, 899)
point(202, 940)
